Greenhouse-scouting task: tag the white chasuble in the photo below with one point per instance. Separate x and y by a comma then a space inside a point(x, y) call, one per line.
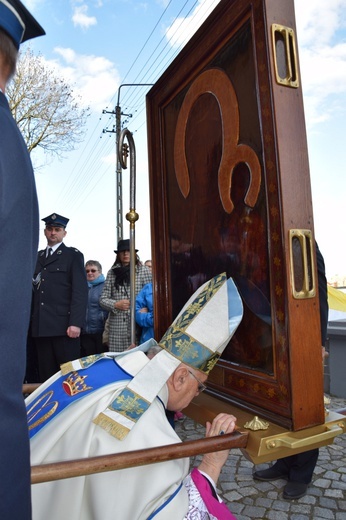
point(129, 494)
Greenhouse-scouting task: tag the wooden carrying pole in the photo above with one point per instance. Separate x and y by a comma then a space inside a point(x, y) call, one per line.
point(130, 459)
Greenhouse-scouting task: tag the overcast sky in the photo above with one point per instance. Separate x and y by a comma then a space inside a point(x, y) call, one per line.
point(99, 44)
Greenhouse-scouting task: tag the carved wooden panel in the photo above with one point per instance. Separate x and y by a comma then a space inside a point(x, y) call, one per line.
point(230, 191)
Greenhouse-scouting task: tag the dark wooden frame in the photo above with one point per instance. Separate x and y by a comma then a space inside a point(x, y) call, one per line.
point(292, 393)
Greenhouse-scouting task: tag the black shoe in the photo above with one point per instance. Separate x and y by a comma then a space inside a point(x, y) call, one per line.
point(295, 490)
point(269, 474)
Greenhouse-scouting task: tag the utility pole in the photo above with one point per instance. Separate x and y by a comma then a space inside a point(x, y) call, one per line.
point(118, 188)
point(119, 183)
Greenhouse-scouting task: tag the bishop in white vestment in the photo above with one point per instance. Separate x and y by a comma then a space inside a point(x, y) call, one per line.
point(116, 403)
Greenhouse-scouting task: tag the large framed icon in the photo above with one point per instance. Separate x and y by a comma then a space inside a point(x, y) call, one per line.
point(230, 191)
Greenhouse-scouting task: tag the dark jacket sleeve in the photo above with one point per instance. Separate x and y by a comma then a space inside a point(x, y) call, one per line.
point(79, 292)
point(323, 294)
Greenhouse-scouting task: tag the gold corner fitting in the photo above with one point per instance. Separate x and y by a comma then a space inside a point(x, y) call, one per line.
point(256, 424)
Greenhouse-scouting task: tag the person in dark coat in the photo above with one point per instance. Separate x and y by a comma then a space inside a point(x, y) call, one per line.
point(298, 469)
point(115, 297)
point(60, 298)
point(91, 338)
point(19, 240)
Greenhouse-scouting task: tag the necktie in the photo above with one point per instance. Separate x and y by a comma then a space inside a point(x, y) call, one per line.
point(49, 252)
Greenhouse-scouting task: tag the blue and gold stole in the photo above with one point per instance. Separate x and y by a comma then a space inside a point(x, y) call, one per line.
point(71, 387)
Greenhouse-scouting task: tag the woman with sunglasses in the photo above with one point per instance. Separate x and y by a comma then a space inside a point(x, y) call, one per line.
point(91, 337)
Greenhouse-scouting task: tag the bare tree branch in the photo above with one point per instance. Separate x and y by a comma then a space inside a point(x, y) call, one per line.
point(45, 108)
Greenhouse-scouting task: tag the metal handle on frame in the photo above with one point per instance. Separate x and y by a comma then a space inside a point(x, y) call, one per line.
point(285, 56)
point(291, 443)
point(302, 263)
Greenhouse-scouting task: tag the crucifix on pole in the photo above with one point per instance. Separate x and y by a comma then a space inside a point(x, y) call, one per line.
point(132, 216)
point(118, 114)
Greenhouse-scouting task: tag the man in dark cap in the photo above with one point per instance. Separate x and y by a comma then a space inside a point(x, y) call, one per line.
point(60, 298)
point(19, 239)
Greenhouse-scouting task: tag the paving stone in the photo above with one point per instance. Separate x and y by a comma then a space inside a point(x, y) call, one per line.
point(264, 502)
point(342, 504)
point(308, 499)
point(254, 512)
point(324, 513)
point(274, 495)
point(333, 475)
point(322, 482)
point(336, 493)
point(232, 496)
point(302, 509)
point(236, 508)
point(339, 485)
point(229, 486)
point(282, 505)
point(276, 515)
point(315, 491)
point(319, 470)
point(327, 502)
point(247, 491)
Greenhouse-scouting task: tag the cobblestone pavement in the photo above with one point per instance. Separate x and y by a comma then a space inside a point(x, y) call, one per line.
point(251, 499)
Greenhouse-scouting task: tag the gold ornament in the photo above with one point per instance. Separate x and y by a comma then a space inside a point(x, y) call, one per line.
point(256, 424)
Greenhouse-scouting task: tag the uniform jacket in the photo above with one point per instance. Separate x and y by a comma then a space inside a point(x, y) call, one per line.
point(60, 292)
point(19, 239)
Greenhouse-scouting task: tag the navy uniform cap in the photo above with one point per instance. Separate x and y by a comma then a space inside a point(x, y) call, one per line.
point(18, 22)
point(56, 220)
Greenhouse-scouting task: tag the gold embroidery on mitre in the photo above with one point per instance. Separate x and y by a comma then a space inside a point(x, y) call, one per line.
point(177, 340)
point(75, 384)
point(211, 363)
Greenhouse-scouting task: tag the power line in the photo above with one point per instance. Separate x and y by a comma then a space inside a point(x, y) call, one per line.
point(85, 169)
